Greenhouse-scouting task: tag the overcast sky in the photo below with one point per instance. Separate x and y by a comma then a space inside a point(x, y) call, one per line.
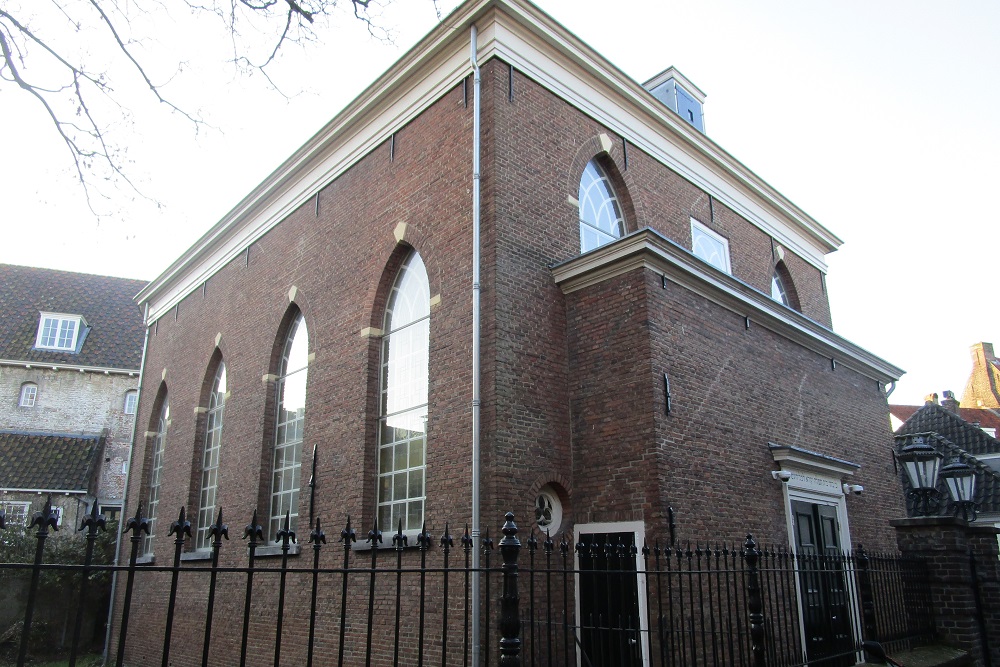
point(877, 118)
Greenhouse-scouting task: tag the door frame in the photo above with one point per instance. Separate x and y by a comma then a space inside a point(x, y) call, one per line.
point(817, 488)
point(637, 528)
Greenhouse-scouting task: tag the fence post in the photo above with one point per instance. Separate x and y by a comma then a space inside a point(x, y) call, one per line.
point(43, 520)
point(867, 595)
point(510, 621)
point(91, 523)
point(136, 525)
point(755, 604)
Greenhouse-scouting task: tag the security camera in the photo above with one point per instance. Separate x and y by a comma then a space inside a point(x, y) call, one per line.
point(782, 475)
point(857, 489)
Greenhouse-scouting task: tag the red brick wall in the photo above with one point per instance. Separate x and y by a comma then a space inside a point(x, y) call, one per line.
point(571, 385)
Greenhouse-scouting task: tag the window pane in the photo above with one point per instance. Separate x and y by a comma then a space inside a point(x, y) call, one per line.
point(601, 219)
point(709, 246)
point(778, 292)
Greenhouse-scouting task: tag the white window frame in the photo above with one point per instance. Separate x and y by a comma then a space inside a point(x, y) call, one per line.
point(6, 505)
point(390, 381)
point(210, 459)
point(62, 322)
point(698, 229)
point(637, 528)
point(287, 454)
point(27, 399)
point(131, 396)
point(156, 475)
point(600, 194)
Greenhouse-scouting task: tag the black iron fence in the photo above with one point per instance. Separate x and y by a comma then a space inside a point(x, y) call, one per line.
point(602, 600)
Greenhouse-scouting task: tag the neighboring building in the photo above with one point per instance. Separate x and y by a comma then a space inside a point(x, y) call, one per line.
point(70, 352)
point(983, 388)
point(967, 434)
point(655, 326)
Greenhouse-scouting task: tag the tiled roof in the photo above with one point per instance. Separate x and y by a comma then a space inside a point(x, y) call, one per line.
point(954, 437)
point(47, 462)
point(116, 327)
point(985, 417)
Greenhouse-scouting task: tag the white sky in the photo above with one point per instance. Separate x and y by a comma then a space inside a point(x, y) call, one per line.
point(877, 118)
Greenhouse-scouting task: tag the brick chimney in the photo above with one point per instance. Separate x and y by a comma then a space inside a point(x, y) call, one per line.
point(949, 403)
point(931, 398)
point(983, 388)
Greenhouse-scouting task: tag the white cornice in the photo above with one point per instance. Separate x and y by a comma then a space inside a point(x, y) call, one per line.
point(46, 366)
point(521, 34)
point(796, 458)
point(649, 249)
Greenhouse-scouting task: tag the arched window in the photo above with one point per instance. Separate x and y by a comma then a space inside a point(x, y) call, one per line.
point(402, 433)
point(210, 458)
point(131, 399)
point(601, 218)
point(291, 394)
point(155, 473)
point(29, 393)
point(778, 292)
point(782, 288)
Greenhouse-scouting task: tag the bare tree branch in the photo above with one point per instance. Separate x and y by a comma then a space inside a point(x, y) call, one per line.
point(81, 100)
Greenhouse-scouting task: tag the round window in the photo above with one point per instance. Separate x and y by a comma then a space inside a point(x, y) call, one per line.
point(548, 510)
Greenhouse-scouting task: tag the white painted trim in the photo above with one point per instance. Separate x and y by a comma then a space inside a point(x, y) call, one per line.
point(71, 367)
point(637, 528)
point(520, 34)
point(63, 491)
point(649, 249)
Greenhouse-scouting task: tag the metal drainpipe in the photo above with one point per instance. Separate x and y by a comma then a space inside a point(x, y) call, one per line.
point(128, 474)
point(473, 48)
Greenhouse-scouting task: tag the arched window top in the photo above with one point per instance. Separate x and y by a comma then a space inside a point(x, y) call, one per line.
point(782, 288)
point(410, 299)
point(601, 219)
point(778, 291)
point(296, 353)
point(29, 393)
point(217, 400)
point(131, 401)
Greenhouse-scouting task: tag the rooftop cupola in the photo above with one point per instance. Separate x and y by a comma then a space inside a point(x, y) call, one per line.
point(680, 95)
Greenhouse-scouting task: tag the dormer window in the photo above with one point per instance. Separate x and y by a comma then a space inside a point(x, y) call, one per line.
point(58, 331)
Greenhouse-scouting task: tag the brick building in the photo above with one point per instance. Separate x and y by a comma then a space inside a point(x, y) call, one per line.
point(70, 351)
point(655, 329)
